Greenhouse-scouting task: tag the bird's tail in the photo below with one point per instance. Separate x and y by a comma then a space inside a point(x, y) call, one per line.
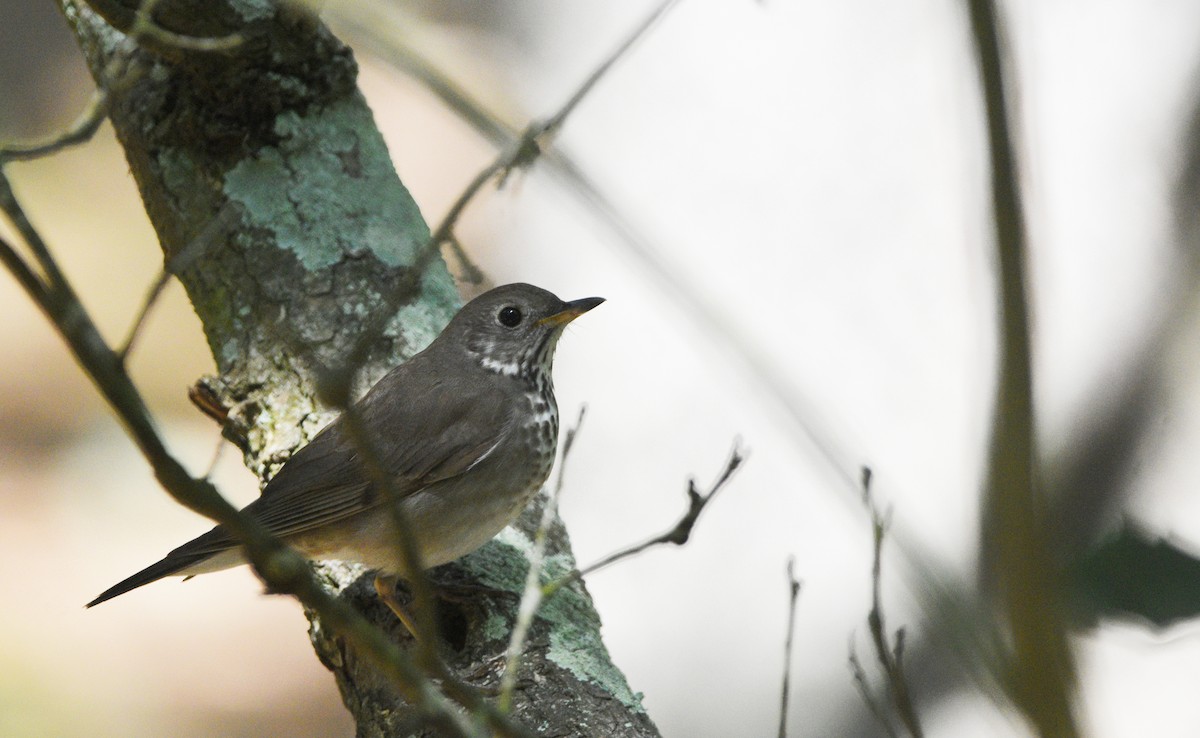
point(172, 564)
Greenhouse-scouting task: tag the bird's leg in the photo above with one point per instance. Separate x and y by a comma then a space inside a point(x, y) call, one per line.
point(385, 587)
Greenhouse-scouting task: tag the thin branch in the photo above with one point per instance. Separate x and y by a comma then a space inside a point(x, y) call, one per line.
point(531, 598)
point(793, 595)
point(471, 273)
point(537, 136)
point(864, 689)
point(333, 389)
point(678, 535)
point(1014, 543)
point(81, 131)
point(890, 658)
point(29, 280)
point(218, 452)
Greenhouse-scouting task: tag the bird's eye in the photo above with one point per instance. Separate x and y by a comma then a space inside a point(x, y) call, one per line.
point(509, 316)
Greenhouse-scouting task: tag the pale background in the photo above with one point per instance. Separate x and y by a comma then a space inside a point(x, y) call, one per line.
point(814, 172)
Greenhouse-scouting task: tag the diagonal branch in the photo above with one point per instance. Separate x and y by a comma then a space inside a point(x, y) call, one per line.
point(537, 136)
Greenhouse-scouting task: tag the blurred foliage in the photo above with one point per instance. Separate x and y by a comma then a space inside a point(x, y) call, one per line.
point(1134, 574)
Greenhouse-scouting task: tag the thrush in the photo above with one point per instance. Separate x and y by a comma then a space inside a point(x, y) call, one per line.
point(467, 429)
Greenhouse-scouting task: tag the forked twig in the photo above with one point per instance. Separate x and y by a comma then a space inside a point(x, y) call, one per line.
point(677, 535)
point(891, 657)
point(537, 136)
point(864, 690)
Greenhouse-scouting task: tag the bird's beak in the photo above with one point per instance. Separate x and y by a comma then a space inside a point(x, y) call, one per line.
point(571, 310)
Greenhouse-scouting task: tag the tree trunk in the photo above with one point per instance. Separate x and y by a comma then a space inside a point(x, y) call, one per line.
point(278, 208)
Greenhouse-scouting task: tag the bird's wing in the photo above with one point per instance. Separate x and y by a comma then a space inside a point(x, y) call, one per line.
point(423, 438)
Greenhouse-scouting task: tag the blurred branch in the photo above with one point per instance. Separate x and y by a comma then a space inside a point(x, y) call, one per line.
point(82, 130)
point(537, 136)
point(864, 690)
point(531, 598)
point(334, 387)
point(1014, 542)
point(677, 535)
point(891, 657)
point(793, 595)
point(53, 283)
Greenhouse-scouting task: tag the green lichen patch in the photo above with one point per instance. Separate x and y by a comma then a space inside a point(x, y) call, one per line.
point(327, 190)
point(575, 645)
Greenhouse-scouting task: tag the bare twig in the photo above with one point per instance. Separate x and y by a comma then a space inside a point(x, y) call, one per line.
point(334, 390)
point(80, 131)
point(678, 535)
point(531, 598)
point(864, 689)
point(890, 658)
point(471, 273)
point(538, 135)
point(793, 595)
point(145, 27)
point(1014, 544)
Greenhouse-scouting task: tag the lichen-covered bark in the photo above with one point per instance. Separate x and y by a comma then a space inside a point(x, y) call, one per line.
point(279, 210)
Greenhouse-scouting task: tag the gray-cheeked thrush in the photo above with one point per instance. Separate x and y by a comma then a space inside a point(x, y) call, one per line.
point(468, 428)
